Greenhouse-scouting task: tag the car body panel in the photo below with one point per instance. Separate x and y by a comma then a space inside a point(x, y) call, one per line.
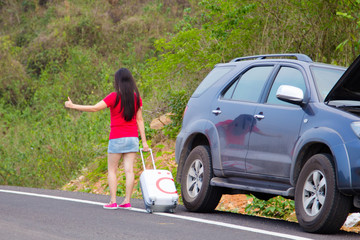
point(335, 136)
point(331, 139)
point(269, 151)
point(271, 148)
point(233, 130)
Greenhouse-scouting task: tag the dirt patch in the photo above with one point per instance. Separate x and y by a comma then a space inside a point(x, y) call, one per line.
point(233, 203)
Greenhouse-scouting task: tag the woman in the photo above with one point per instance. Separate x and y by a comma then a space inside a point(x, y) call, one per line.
point(126, 119)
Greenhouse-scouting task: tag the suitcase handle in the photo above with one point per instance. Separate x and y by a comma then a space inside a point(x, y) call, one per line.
point(142, 158)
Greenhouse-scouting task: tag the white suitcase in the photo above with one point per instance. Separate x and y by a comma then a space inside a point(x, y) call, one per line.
point(158, 188)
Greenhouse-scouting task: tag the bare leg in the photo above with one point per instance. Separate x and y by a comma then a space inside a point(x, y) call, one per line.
point(113, 164)
point(129, 173)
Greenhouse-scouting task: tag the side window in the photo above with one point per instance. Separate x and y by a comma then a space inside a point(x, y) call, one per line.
point(211, 78)
point(286, 76)
point(249, 85)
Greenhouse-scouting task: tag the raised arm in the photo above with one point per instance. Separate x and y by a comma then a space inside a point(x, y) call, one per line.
point(86, 108)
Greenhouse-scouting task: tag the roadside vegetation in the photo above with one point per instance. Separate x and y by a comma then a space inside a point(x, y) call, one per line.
point(52, 49)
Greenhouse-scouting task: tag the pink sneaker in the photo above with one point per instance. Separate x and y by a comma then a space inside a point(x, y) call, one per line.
point(125, 206)
point(111, 206)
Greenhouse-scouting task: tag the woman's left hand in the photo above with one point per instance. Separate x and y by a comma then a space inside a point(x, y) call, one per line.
point(145, 147)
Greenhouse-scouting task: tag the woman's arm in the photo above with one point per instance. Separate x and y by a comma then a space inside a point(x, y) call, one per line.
point(140, 124)
point(86, 108)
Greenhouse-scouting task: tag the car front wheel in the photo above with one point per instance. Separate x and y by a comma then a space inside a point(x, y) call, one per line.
point(197, 193)
point(319, 206)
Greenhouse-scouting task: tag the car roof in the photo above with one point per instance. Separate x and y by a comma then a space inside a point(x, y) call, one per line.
point(298, 58)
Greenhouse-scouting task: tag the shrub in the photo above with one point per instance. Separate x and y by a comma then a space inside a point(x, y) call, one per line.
point(177, 101)
point(15, 85)
point(277, 207)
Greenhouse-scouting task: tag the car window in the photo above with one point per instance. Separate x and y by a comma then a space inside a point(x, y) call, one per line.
point(211, 78)
point(286, 76)
point(249, 85)
point(325, 79)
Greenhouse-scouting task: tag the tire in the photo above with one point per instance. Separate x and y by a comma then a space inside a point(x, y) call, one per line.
point(319, 206)
point(197, 194)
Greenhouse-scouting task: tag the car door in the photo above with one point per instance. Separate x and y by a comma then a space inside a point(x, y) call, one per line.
point(232, 114)
point(276, 128)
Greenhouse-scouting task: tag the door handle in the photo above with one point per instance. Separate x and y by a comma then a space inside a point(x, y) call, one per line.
point(216, 111)
point(259, 116)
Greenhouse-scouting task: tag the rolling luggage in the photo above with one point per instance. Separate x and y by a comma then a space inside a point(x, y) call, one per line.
point(158, 188)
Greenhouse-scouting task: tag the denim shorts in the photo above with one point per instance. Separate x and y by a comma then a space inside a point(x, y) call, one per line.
point(123, 145)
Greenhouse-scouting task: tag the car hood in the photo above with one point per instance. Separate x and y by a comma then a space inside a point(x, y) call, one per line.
point(348, 86)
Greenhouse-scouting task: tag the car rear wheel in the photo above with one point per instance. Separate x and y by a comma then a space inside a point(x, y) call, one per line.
point(319, 205)
point(197, 194)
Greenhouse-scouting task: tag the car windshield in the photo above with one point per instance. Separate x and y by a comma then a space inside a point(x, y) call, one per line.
point(325, 79)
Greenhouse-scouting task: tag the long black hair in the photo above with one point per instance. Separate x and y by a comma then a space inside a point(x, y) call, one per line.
point(125, 88)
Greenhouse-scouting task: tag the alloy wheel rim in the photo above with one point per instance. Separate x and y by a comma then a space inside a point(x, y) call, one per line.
point(195, 178)
point(314, 193)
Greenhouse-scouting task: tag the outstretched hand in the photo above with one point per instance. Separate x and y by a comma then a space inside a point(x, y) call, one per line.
point(68, 103)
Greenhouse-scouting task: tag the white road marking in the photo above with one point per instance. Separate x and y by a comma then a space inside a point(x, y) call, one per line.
point(193, 219)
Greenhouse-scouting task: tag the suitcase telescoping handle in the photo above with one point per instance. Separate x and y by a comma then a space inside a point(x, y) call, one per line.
point(142, 158)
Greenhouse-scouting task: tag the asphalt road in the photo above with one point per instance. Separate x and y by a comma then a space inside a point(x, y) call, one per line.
point(27, 213)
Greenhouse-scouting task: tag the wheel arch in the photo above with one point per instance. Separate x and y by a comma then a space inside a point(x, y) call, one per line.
point(304, 155)
point(322, 140)
point(191, 142)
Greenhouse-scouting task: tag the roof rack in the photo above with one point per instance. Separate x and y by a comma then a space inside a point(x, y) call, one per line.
point(298, 56)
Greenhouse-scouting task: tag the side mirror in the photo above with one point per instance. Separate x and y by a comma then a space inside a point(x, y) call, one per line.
point(290, 94)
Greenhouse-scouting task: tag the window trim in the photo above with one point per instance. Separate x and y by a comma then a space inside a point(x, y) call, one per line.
point(239, 76)
point(300, 68)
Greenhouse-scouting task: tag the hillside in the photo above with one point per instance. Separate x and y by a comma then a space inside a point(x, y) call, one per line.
point(52, 49)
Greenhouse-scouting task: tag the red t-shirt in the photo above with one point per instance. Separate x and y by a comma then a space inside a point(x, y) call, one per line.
point(119, 127)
